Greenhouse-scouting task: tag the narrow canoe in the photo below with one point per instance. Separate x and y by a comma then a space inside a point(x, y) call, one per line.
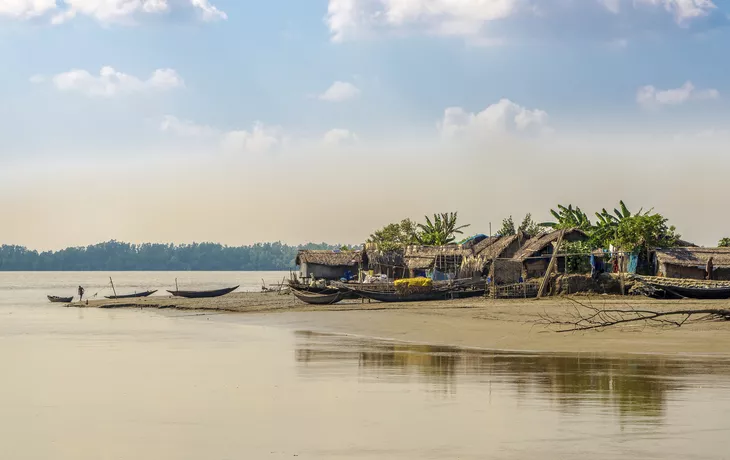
point(203, 294)
point(56, 299)
point(318, 299)
point(132, 296)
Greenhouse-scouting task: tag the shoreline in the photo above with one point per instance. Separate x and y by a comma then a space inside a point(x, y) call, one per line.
point(484, 324)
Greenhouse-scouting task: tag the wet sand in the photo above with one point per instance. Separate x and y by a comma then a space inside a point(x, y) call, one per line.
point(479, 323)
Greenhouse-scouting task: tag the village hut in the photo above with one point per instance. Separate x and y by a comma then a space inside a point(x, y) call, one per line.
point(328, 264)
point(691, 263)
point(442, 261)
point(493, 257)
point(390, 263)
point(535, 254)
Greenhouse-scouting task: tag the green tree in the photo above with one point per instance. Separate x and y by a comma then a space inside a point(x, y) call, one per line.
point(568, 217)
point(393, 237)
point(508, 227)
point(604, 232)
point(644, 231)
point(724, 243)
point(441, 230)
point(529, 226)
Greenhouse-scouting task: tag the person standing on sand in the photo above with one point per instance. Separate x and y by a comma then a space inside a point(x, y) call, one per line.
point(709, 269)
point(81, 293)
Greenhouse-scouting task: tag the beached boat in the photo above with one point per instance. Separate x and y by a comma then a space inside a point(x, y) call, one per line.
point(56, 299)
point(319, 299)
point(203, 294)
point(686, 288)
point(132, 296)
point(383, 296)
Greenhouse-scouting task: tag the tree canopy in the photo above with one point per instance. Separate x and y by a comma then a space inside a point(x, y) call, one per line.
point(114, 255)
point(440, 230)
point(724, 243)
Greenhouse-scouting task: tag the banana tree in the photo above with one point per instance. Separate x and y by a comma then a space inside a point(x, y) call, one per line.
point(568, 217)
point(441, 230)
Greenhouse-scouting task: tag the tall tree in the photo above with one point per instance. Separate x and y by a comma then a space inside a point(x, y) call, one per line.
point(529, 226)
point(441, 230)
point(396, 236)
point(724, 243)
point(508, 227)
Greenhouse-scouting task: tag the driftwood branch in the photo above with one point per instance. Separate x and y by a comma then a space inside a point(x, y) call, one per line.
point(584, 317)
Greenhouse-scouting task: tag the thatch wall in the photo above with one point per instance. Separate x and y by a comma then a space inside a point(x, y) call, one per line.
point(428, 257)
point(506, 271)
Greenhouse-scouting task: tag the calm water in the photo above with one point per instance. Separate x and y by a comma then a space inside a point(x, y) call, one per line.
point(125, 384)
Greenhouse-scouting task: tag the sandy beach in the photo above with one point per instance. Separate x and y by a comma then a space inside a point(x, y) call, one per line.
point(480, 323)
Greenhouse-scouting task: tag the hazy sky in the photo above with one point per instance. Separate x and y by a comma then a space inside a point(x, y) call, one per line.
point(242, 121)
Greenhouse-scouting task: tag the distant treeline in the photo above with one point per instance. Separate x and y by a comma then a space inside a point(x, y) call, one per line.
point(117, 256)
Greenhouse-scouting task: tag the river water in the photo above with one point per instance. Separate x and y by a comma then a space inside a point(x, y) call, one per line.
point(127, 384)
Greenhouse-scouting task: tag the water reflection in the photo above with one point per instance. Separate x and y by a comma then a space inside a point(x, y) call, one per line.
point(635, 386)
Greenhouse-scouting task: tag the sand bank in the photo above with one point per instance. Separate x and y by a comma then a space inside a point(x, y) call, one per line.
point(481, 323)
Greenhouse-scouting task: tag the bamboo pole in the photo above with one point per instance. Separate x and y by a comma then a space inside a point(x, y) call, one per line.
point(551, 265)
point(113, 289)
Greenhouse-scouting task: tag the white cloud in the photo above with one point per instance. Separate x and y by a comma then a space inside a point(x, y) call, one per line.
point(650, 96)
point(260, 139)
point(504, 117)
point(340, 92)
point(110, 83)
point(24, 9)
point(348, 19)
point(210, 12)
point(106, 11)
point(683, 10)
point(185, 128)
point(335, 137)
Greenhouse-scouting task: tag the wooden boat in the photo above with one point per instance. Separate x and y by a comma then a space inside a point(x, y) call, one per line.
point(203, 294)
point(131, 296)
point(318, 299)
point(681, 288)
point(382, 296)
point(56, 299)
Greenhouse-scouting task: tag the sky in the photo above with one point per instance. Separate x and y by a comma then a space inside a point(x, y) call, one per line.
point(240, 121)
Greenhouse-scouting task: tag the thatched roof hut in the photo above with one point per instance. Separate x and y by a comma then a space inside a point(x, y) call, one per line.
point(329, 265)
point(691, 262)
point(330, 258)
point(538, 244)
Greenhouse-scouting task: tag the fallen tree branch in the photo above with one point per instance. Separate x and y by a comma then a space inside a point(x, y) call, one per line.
point(585, 317)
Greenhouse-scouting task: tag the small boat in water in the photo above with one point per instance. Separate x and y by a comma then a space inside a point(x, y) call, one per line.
point(132, 296)
point(203, 294)
point(319, 299)
point(56, 299)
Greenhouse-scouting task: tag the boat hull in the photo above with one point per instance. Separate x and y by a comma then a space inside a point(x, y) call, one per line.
point(56, 299)
point(319, 299)
point(203, 294)
point(131, 296)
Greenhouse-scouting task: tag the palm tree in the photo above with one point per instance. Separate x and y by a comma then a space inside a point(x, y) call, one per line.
point(441, 230)
point(568, 217)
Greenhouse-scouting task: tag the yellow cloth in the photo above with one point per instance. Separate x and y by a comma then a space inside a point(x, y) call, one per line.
point(414, 282)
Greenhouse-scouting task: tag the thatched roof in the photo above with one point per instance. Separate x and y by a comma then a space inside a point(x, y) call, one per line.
point(540, 242)
point(694, 257)
point(332, 258)
point(484, 244)
point(386, 258)
point(499, 246)
point(424, 257)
